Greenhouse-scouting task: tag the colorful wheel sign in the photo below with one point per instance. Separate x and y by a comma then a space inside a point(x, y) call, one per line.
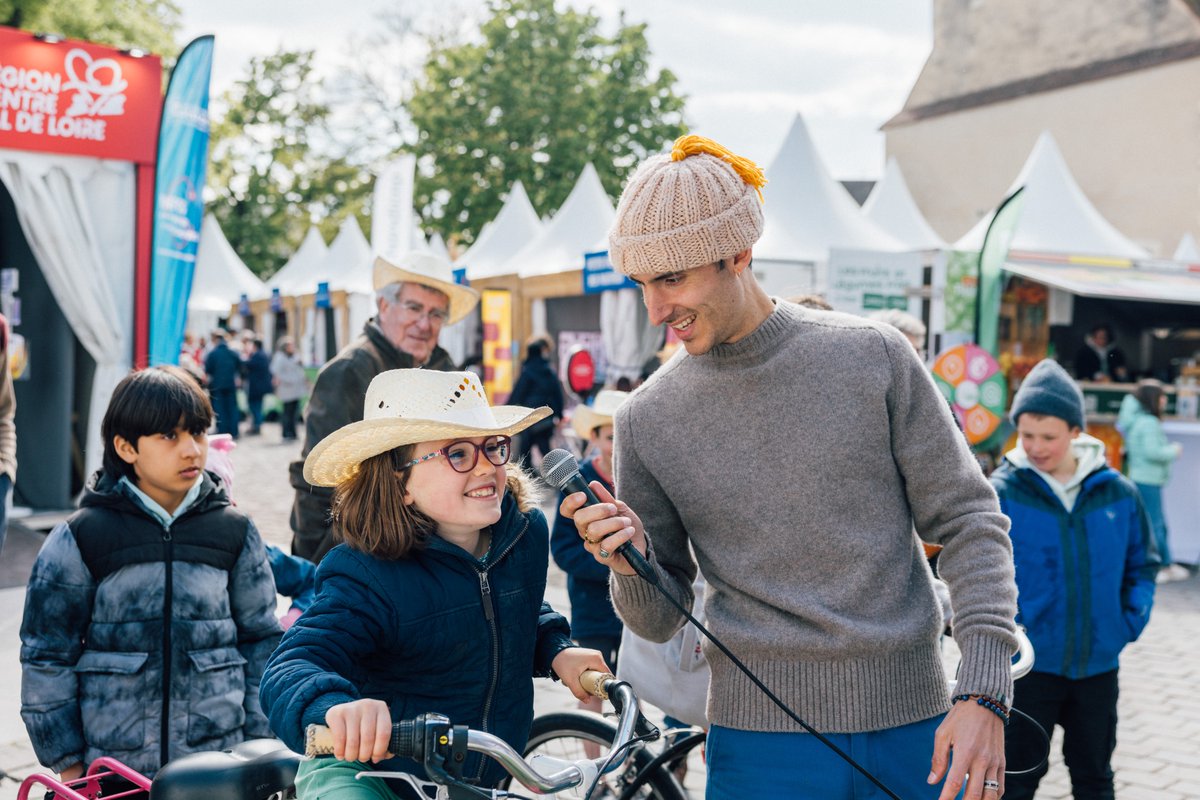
point(971, 380)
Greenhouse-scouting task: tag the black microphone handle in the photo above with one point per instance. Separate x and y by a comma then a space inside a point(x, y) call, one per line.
point(635, 559)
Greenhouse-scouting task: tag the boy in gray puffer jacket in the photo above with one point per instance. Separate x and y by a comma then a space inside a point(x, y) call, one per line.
point(150, 612)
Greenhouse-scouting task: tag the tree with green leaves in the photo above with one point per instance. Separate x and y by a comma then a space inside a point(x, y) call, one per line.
point(150, 25)
point(271, 173)
point(543, 93)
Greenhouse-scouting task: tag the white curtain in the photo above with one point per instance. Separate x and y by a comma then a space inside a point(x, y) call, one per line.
point(78, 215)
point(629, 338)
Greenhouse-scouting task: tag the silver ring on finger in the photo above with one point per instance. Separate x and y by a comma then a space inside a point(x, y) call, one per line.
point(604, 553)
point(990, 785)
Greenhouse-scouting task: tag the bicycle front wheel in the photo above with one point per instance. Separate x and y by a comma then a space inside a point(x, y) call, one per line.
point(576, 735)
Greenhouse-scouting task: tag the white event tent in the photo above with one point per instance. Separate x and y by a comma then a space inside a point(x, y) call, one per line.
point(515, 226)
point(892, 208)
point(806, 213)
point(583, 219)
point(1187, 250)
point(1056, 216)
point(219, 280)
point(299, 274)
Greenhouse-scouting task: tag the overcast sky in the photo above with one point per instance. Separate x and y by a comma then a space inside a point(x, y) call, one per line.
point(847, 67)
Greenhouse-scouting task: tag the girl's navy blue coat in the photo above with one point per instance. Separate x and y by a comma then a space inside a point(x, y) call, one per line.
point(436, 631)
point(592, 613)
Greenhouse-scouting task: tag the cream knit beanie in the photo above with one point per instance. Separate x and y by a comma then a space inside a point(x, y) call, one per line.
point(695, 206)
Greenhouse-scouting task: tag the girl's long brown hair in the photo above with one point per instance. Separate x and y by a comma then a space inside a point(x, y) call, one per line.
point(370, 515)
point(1149, 393)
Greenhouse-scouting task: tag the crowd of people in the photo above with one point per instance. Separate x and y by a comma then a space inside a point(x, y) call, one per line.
point(798, 494)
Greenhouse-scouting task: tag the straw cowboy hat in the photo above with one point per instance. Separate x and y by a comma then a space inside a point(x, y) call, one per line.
point(406, 406)
point(588, 418)
point(427, 270)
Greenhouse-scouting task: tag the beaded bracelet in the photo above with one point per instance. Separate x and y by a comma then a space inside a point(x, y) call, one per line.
point(990, 703)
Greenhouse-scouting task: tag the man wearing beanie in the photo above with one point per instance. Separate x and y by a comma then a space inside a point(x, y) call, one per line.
point(795, 451)
point(1085, 563)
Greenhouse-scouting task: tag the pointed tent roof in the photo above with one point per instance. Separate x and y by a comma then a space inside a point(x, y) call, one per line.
point(1187, 250)
point(1056, 216)
point(220, 277)
point(297, 275)
point(515, 226)
point(584, 217)
point(892, 208)
point(807, 211)
point(349, 262)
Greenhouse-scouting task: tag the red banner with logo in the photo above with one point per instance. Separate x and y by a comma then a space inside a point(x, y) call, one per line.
point(78, 98)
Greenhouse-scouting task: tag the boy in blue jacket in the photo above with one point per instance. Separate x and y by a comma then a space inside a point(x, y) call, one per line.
point(1085, 567)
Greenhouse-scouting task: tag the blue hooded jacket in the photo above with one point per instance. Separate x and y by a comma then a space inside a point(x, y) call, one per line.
point(1085, 577)
point(435, 631)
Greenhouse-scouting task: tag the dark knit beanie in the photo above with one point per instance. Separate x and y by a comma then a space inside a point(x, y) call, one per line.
point(1048, 389)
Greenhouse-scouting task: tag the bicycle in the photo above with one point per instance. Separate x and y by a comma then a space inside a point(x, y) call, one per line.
point(646, 776)
point(257, 769)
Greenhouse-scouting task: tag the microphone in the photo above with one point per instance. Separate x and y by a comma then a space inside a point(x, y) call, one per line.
point(560, 471)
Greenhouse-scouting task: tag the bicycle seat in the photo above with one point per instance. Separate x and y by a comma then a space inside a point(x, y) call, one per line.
point(252, 770)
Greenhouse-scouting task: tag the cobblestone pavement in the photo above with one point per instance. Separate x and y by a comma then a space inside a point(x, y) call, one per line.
point(1157, 756)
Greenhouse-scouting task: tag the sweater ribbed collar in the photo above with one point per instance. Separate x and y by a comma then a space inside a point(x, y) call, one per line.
point(760, 343)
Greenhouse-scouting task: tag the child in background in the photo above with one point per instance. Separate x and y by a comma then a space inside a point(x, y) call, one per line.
point(433, 603)
point(1085, 565)
point(1149, 457)
point(295, 577)
point(149, 614)
point(594, 623)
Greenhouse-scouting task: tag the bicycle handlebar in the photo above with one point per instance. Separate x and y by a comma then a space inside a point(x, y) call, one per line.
point(429, 735)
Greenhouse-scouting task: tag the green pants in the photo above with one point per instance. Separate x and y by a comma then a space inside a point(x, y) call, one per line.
point(330, 779)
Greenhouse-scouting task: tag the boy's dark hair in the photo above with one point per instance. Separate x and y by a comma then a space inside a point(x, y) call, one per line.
point(150, 401)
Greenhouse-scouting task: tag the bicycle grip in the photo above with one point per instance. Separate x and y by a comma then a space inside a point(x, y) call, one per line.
point(318, 740)
point(593, 681)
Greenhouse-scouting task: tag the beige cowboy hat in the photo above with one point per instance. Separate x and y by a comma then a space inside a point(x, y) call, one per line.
point(406, 406)
point(427, 270)
point(600, 412)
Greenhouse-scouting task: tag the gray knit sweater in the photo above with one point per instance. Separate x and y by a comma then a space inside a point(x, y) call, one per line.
point(797, 462)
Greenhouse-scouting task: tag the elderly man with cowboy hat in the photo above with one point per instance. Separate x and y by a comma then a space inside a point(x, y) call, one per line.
point(794, 451)
point(415, 298)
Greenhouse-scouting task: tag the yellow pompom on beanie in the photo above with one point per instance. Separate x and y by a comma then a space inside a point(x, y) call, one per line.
point(694, 206)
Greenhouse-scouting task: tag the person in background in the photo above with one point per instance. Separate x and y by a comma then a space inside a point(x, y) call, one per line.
point(150, 612)
point(435, 599)
point(1099, 358)
point(290, 382)
point(223, 366)
point(537, 385)
point(257, 369)
point(1085, 566)
point(295, 578)
point(8, 431)
point(413, 300)
point(1149, 457)
point(594, 623)
point(912, 328)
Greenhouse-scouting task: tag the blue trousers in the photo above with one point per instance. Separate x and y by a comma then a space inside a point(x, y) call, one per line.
point(798, 766)
point(1152, 500)
point(225, 406)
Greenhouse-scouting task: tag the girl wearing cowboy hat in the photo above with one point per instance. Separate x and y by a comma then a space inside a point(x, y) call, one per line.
point(594, 623)
point(433, 602)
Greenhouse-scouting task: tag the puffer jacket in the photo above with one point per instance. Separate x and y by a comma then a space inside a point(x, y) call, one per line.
point(101, 672)
point(592, 613)
point(1148, 452)
point(336, 401)
point(436, 631)
point(1085, 577)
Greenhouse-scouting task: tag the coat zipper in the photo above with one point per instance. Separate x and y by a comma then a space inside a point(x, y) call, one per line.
point(168, 601)
point(489, 612)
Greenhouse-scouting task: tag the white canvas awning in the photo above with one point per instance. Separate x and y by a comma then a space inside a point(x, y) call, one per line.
point(585, 217)
point(1117, 283)
point(298, 275)
point(892, 208)
point(515, 226)
point(1188, 250)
